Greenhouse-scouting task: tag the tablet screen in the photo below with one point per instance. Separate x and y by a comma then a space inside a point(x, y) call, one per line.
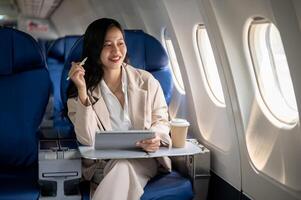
point(121, 139)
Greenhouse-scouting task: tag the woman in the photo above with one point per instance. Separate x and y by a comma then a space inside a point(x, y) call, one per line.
point(109, 94)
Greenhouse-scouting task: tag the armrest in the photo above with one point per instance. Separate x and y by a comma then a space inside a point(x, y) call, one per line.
point(59, 169)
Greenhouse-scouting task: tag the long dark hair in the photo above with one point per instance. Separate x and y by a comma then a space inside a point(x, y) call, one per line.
point(93, 44)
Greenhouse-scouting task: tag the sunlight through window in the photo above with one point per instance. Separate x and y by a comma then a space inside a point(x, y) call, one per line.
point(176, 73)
point(209, 65)
point(272, 71)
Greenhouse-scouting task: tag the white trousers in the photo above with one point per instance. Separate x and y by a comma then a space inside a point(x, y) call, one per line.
point(125, 179)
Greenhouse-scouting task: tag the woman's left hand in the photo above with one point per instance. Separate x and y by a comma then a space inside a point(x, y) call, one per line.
point(150, 145)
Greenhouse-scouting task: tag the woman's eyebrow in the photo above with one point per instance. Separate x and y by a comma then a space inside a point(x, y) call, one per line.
point(112, 39)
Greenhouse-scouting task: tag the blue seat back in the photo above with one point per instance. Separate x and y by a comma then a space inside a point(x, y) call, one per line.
point(45, 44)
point(25, 88)
point(56, 57)
point(144, 51)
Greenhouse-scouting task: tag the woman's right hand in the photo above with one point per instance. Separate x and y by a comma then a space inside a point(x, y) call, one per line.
point(76, 74)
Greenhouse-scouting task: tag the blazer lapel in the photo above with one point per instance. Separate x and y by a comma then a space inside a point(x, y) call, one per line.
point(137, 106)
point(137, 98)
point(100, 108)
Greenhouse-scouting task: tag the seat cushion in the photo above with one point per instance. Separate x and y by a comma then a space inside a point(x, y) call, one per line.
point(170, 186)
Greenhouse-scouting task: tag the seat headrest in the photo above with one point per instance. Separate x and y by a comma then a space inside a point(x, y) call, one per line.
point(61, 47)
point(18, 52)
point(145, 51)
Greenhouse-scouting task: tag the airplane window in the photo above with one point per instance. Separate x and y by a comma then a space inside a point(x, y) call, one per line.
point(176, 73)
point(272, 72)
point(209, 65)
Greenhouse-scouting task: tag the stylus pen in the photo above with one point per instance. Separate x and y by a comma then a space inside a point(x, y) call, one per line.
point(81, 64)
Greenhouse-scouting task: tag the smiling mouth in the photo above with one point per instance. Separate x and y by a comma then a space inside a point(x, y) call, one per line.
point(115, 59)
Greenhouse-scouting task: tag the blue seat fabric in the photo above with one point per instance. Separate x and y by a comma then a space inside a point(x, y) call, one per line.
point(45, 44)
point(25, 88)
point(170, 186)
point(144, 52)
point(56, 57)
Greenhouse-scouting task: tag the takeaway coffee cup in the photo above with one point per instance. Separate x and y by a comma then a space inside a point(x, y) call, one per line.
point(179, 128)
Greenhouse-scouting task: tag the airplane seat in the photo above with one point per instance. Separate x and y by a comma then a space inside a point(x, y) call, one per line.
point(147, 53)
point(56, 56)
point(45, 44)
point(25, 88)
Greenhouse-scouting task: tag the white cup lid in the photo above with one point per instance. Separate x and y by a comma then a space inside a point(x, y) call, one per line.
point(179, 122)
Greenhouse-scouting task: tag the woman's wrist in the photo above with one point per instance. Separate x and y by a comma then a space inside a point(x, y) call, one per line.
point(83, 97)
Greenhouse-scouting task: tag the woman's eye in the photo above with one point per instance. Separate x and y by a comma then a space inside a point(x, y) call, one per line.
point(121, 43)
point(107, 45)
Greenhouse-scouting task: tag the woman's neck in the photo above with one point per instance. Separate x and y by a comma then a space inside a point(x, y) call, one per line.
point(113, 78)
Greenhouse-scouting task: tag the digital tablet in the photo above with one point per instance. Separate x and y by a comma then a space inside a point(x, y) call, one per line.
point(121, 139)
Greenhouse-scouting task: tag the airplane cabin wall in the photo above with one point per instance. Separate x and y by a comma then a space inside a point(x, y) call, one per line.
point(297, 6)
point(269, 153)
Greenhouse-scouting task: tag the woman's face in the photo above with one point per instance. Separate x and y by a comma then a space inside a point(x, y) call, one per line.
point(114, 49)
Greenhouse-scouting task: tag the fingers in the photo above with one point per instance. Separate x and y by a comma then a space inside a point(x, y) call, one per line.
point(76, 68)
point(151, 141)
point(77, 75)
point(150, 145)
point(151, 149)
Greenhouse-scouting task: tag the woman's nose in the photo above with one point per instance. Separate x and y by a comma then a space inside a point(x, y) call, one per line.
point(115, 48)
